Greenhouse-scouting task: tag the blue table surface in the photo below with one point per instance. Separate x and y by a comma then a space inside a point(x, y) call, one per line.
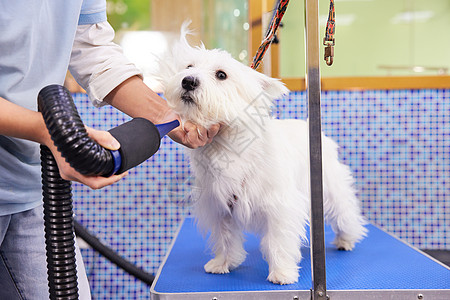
point(379, 262)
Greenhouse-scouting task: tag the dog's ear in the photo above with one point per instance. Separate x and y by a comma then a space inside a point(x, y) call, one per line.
point(275, 88)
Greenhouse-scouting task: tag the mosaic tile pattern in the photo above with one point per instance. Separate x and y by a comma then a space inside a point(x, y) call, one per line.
point(396, 142)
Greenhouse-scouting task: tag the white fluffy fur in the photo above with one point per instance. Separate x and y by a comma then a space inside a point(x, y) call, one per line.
point(253, 176)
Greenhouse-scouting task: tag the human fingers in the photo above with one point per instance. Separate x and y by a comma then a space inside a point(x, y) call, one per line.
point(202, 134)
point(94, 182)
point(103, 138)
point(68, 173)
point(192, 136)
point(98, 182)
point(212, 132)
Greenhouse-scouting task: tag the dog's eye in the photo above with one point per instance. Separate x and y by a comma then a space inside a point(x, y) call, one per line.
point(221, 75)
point(190, 66)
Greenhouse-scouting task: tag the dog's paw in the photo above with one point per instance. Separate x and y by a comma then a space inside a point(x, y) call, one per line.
point(217, 266)
point(343, 244)
point(283, 277)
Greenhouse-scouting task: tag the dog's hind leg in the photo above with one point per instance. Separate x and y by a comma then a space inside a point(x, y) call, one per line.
point(227, 243)
point(341, 206)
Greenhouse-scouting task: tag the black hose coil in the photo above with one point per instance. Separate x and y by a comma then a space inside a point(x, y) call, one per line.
point(69, 134)
point(84, 155)
point(59, 237)
point(111, 255)
point(139, 139)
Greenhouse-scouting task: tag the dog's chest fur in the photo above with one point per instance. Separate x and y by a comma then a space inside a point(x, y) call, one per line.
point(229, 155)
point(241, 167)
point(228, 171)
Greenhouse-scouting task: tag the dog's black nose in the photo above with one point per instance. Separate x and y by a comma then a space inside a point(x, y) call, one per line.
point(189, 83)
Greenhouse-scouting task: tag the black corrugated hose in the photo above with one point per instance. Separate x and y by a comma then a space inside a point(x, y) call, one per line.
point(111, 255)
point(59, 238)
point(139, 139)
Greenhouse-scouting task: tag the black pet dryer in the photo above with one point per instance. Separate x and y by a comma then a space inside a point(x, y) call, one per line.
point(139, 139)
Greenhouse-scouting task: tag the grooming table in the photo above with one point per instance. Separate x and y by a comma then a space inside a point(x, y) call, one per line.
point(380, 267)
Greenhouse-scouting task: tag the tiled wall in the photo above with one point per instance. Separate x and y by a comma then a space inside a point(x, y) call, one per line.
point(397, 144)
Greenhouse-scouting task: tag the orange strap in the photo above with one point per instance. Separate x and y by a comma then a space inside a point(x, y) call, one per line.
point(270, 35)
point(328, 40)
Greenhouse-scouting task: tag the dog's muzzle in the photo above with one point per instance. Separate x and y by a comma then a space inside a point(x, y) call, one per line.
point(189, 83)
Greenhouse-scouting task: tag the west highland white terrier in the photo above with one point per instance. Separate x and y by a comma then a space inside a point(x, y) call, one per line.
point(254, 175)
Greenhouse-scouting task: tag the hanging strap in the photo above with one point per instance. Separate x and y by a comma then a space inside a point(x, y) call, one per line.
point(271, 31)
point(328, 40)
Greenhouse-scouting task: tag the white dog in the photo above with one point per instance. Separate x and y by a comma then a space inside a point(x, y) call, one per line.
point(254, 175)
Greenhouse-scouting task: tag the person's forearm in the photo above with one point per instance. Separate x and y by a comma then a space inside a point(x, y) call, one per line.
point(23, 123)
point(135, 99)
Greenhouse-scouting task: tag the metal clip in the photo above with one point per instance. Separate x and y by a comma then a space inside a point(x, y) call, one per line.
point(329, 51)
point(329, 54)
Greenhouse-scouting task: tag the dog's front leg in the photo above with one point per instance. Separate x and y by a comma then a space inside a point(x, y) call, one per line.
point(227, 243)
point(280, 246)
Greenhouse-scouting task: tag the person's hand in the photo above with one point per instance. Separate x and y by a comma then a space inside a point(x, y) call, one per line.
point(103, 138)
point(194, 136)
point(189, 134)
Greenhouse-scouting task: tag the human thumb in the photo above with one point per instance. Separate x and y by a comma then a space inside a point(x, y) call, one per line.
point(103, 138)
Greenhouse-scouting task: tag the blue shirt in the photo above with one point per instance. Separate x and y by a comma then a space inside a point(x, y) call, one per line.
point(36, 40)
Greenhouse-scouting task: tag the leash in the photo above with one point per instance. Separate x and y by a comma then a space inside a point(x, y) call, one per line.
point(328, 40)
point(271, 31)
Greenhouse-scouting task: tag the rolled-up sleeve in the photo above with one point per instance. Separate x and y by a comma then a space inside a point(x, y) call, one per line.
point(97, 63)
point(92, 12)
